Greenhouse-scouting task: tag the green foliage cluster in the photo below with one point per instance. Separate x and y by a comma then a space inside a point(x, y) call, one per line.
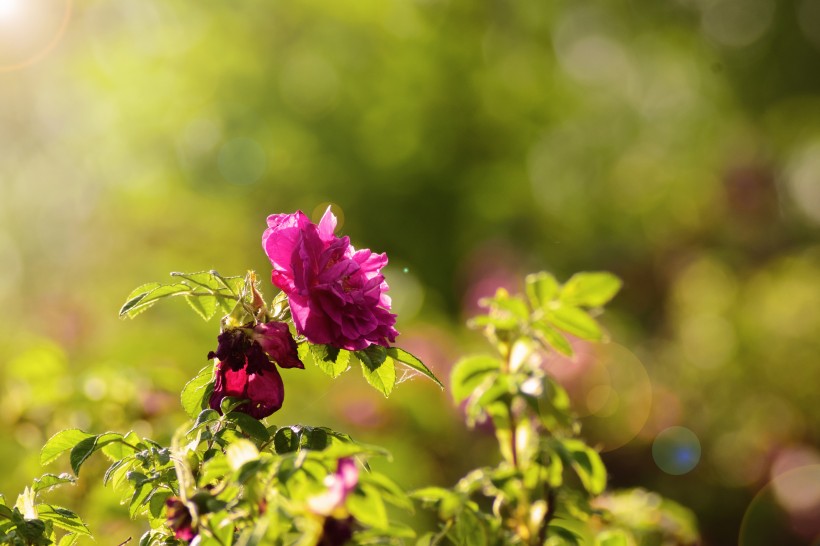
point(230, 479)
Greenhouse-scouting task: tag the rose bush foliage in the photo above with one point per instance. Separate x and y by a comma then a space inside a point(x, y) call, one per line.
point(228, 478)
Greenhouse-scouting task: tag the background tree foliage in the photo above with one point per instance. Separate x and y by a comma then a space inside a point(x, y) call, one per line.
point(674, 143)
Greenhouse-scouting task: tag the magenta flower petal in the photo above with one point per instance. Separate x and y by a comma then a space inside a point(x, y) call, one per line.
point(276, 340)
point(263, 389)
point(337, 294)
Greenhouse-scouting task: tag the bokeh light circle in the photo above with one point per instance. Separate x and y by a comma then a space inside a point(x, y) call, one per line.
point(30, 29)
point(613, 396)
point(676, 450)
point(786, 510)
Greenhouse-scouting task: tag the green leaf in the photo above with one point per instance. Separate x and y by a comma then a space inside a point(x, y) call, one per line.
point(286, 440)
point(205, 291)
point(590, 289)
point(120, 449)
point(379, 370)
point(81, 452)
point(117, 472)
point(574, 321)
point(138, 499)
point(585, 461)
point(68, 539)
point(468, 529)
point(331, 360)
point(551, 337)
point(249, 425)
point(48, 482)
point(400, 355)
point(541, 289)
point(469, 373)
point(148, 294)
point(60, 442)
point(136, 296)
point(196, 392)
point(205, 306)
point(367, 506)
point(561, 535)
point(379, 536)
point(156, 502)
point(615, 537)
point(63, 518)
point(388, 489)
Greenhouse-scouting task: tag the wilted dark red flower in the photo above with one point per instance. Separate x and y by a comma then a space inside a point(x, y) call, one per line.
point(179, 519)
point(337, 294)
point(245, 369)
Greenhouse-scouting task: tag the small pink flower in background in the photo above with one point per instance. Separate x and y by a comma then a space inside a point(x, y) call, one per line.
point(337, 294)
point(339, 485)
point(245, 371)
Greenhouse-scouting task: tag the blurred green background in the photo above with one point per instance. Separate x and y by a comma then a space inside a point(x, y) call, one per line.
point(675, 143)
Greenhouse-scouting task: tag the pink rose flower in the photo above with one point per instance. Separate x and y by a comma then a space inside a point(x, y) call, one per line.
point(245, 371)
point(337, 294)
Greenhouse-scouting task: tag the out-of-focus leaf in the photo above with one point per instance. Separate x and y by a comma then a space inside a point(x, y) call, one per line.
point(367, 506)
point(585, 462)
point(574, 321)
point(469, 372)
point(541, 289)
point(614, 537)
point(388, 489)
point(590, 289)
point(551, 337)
point(559, 534)
point(468, 529)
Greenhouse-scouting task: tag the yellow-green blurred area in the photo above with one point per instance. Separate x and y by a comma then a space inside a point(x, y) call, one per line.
point(675, 143)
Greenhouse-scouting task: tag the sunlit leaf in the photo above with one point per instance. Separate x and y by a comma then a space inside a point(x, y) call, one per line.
point(367, 506)
point(551, 337)
point(400, 355)
point(585, 462)
point(60, 442)
point(541, 289)
point(196, 392)
point(590, 289)
point(250, 426)
point(574, 321)
point(331, 360)
point(48, 482)
point(63, 518)
point(379, 370)
point(469, 372)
